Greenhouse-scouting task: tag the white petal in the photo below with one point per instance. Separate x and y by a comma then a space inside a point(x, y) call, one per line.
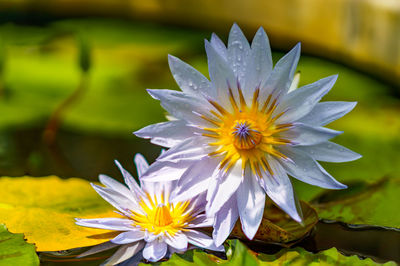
point(97, 249)
point(119, 201)
point(301, 101)
point(189, 79)
point(155, 250)
point(326, 112)
point(302, 134)
point(307, 170)
point(279, 188)
point(221, 75)
point(259, 65)
point(225, 220)
point(178, 241)
point(167, 134)
point(141, 164)
point(281, 76)
point(128, 237)
point(181, 105)
point(227, 184)
point(219, 46)
point(125, 252)
point(195, 179)
point(160, 171)
point(117, 224)
point(201, 220)
point(250, 201)
point(117, 186)
point(202, 240)
point(129, 180)
point(238, 52)
point(330, 152)
point(190, 149)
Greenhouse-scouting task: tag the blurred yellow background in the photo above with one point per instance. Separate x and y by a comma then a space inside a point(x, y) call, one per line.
point(364, 34)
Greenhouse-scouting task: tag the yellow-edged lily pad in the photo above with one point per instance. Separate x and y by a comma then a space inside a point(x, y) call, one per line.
point(44, 208)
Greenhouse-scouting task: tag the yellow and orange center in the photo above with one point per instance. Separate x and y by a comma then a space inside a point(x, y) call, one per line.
point(161, 217)
point(248, 133)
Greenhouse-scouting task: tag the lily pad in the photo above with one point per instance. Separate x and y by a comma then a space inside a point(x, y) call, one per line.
point(363, 204)
point(299, 256)
point(14, 250)
point(238, 254)
point(44, 208)
point(278, 227)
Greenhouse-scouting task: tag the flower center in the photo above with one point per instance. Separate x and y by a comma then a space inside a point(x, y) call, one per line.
point(249, 132)
point(245, 135)
point(162, 216)
point(158, 216)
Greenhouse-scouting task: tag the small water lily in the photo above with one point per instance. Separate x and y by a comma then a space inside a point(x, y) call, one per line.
point(153, 227)
point(239, 135)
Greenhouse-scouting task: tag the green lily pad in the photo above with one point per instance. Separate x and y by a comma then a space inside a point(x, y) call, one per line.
point(238, 254)
point(299, 256)
point(363, 204)
point(14, 250)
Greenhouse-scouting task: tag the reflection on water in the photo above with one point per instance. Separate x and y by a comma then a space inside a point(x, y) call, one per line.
point(73, 155)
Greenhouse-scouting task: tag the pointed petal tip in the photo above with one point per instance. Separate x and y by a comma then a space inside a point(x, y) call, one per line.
point(117, 163)
point(249, 233)
point(298, 219)
point(261, 29)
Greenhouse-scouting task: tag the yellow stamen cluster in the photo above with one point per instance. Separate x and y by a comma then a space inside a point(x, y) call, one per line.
point(249, 132)
point(159, 216)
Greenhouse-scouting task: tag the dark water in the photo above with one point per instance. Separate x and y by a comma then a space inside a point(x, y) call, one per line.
point(22, 152)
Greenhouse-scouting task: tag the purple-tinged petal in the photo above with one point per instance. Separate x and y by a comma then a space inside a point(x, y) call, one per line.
point(279, 188)
point(326, 112)
point(219, 46)
point(202, 240)
point(201, 220)
point(97, 249)
point(129, 180)
point(281, 76)
point(124, 253)
point(167, 134)
point(225, 220)
point(119, 201)
point(117, 224)
point(238, 52)
point(195, 179)
point(128, 237)
point(155, 250)
point(189, 79)
point(178, 241)
point(259, 64)
point(141, 164)
point(221, 76)
point(181, 105)
point(117, 186)
point(191, 149)
point(160, 171)
point(329, 152)
point(306, 169)
point(302, 134)
point(301, 101)
point(250, 201)
point(227, 184)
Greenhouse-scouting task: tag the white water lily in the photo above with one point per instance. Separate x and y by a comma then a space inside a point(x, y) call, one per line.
point(153, 227)
point(239, 135)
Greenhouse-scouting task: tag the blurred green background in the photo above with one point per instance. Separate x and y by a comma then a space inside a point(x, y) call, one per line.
point(80, 69)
